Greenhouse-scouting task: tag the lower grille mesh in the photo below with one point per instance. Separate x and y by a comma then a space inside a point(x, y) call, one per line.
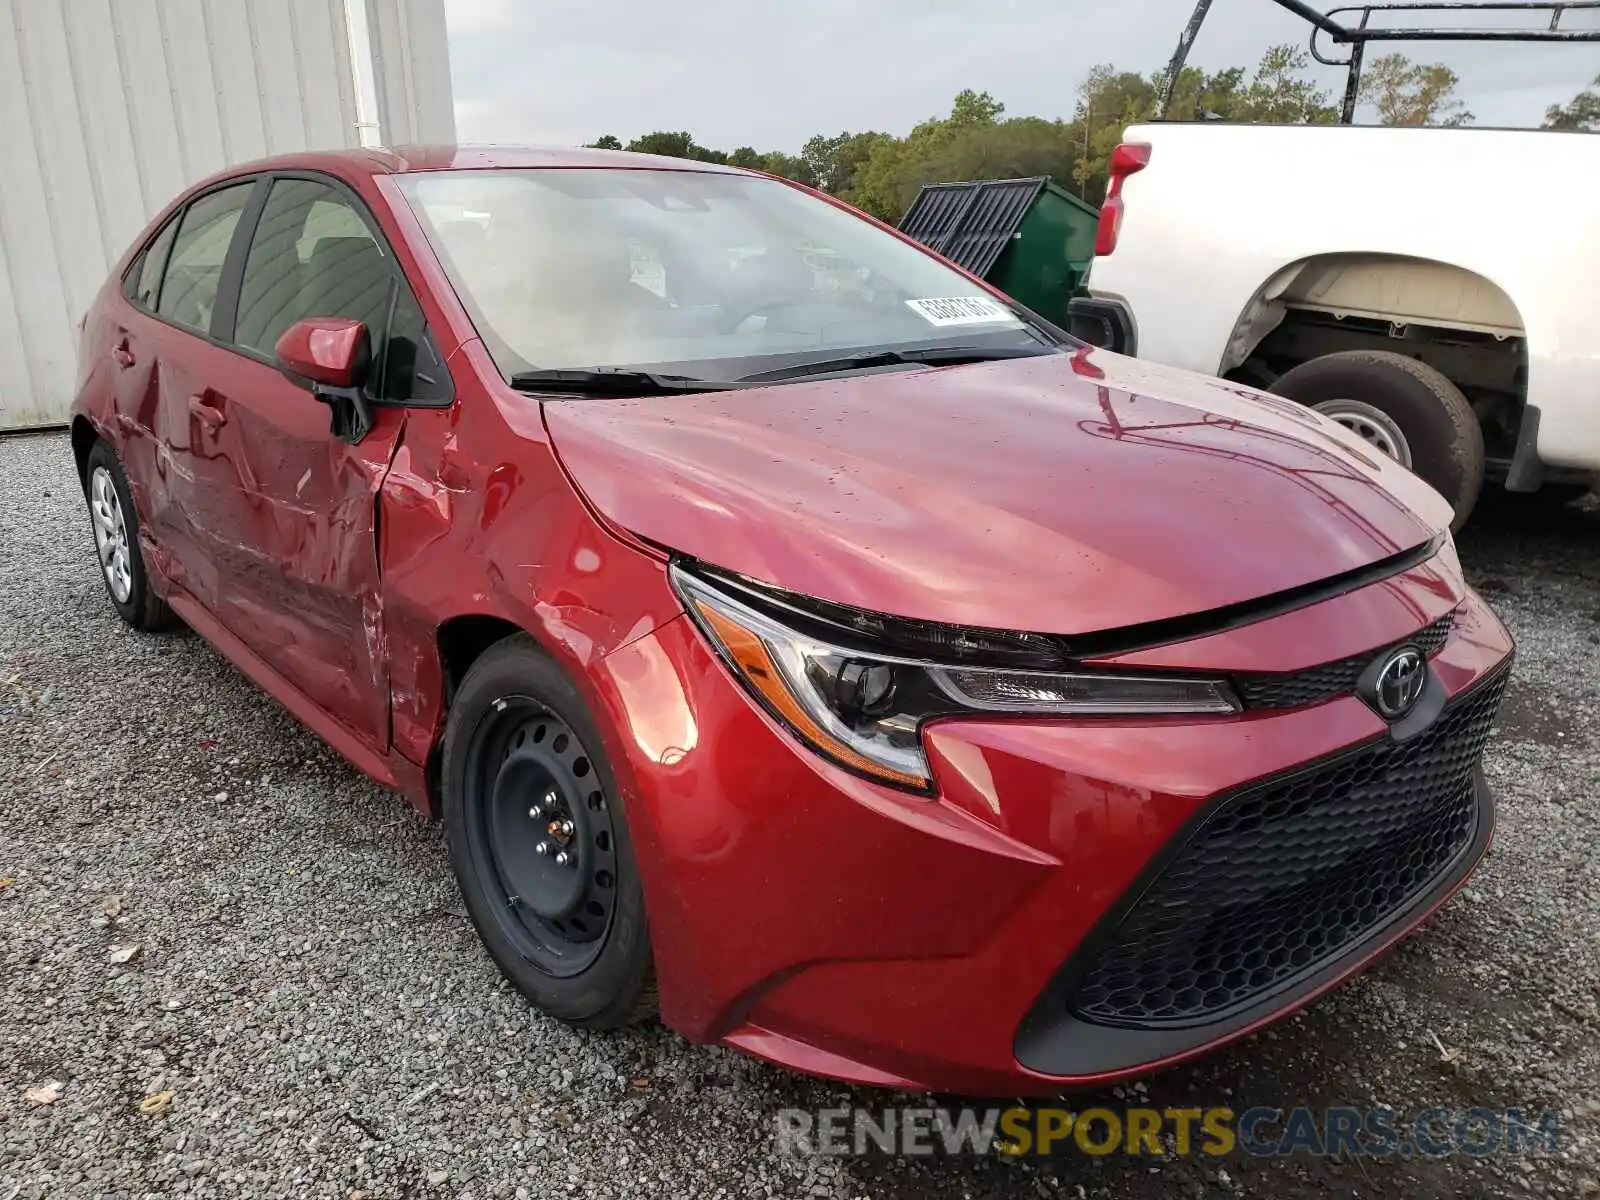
point(1284, 876)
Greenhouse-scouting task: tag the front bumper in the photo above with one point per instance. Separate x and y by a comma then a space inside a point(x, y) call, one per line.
point(837, 927)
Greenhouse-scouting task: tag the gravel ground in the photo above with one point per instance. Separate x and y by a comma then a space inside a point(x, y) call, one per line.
point(208, 915)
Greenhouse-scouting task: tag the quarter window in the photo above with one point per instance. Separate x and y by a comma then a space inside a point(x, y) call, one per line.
point(144, 281)
point(188, 293)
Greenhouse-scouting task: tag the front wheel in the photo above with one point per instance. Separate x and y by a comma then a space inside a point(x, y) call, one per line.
point(540, 844)
point(1402, 408)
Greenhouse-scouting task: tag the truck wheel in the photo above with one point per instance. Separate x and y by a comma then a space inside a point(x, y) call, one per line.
point(1402, 407)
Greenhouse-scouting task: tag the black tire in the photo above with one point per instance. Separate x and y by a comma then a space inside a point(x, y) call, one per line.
point(573, 940)
point(141, 608)
point(1440, 428)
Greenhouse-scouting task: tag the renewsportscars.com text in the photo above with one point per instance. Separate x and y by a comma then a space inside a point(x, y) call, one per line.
point(1168, 1132)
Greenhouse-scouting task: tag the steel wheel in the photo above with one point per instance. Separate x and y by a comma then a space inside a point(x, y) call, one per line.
point(1372, 425)
point(111, 534)
point(540, 823)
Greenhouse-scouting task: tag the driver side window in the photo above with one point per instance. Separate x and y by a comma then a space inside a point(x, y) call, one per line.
point(314, 255)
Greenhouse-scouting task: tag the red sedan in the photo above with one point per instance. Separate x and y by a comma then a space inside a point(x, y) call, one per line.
point(789, 630)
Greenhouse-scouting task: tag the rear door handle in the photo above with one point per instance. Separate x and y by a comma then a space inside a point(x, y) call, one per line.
point(124, 354)
point(204, 406)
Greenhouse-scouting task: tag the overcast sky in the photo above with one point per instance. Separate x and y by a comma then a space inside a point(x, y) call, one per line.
point(769, 75)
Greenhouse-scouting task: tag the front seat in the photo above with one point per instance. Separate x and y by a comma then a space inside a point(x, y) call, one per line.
point(348, 277)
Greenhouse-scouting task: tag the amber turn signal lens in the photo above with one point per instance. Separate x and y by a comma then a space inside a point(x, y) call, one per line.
point(755, 664)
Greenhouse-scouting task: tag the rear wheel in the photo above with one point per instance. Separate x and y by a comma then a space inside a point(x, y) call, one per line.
point(540, 844)
point(116, 539)
point(1402, 408)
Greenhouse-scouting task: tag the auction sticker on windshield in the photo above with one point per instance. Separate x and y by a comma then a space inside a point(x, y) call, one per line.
point(963, 310)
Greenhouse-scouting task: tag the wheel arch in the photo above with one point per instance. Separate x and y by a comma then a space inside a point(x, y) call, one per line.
point(84, 435)
point(459, 641)
point(1403, 289)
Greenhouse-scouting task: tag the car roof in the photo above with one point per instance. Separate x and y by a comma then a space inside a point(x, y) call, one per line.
point(398, 160)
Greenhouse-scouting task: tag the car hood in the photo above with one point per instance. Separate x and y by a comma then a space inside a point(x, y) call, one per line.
point(1058, 494)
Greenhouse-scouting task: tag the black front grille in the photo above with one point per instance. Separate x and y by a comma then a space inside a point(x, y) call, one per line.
point(1282, 877)
point(1297, 689)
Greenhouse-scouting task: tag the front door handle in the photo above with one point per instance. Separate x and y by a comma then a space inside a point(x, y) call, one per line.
point(123, 354)
point(204, 406)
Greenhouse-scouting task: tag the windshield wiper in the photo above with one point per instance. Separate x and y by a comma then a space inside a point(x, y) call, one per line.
point(611, 381)
point(937, 356)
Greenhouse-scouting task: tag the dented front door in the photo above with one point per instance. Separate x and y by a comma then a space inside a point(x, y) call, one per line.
point(293, 540)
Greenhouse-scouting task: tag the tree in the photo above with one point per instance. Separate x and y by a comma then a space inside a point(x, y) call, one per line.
point(881, 173)
point(886, 183)
point(1582, 113)
point(775, 162)
point(787, 166)
point(1408, 93)
point(973, 109)
point(675, 145)
point(1277, 92)
point(1110, 100)
point(606, 142)
point(834, 161)
point(1011, 149)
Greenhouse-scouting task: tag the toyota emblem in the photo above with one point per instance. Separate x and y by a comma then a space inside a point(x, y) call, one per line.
point(1399, 682)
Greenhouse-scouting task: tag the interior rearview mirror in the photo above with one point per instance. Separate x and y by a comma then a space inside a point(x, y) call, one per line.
point(331, 356)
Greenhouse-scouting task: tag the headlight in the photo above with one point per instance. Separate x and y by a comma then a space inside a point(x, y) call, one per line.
point(865, 709)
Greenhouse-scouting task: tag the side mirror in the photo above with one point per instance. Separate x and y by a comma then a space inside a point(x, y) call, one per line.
point(333, 356)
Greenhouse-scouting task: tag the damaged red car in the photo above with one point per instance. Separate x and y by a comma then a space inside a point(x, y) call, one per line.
point(794, 635)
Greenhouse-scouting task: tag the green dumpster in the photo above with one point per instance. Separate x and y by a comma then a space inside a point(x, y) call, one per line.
point(1031, 238)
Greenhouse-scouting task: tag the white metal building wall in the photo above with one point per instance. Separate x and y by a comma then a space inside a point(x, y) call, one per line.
point(411, 71)
point(109, 108)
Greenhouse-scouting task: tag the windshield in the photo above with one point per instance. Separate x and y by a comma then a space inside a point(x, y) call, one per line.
point(712, 276)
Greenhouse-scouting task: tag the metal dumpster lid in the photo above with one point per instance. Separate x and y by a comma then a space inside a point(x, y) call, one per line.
point(971, 223)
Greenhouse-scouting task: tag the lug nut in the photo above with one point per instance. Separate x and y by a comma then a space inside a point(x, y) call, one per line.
point(566, 829)
point(536, 812)
point(562, 858)
point(542, 848)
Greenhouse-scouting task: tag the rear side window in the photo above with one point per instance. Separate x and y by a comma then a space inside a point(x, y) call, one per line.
point(314, 255)
point(144, 280)
point(194, 269)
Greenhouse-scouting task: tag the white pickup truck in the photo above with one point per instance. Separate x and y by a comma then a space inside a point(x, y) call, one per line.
point(1435, 290)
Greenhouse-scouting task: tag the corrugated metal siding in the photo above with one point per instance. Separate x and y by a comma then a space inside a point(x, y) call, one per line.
point(411, 71)
point(970, 223)
point(108, 108)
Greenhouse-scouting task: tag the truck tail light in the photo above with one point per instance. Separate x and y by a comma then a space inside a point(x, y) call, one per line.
point(1127, 159)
